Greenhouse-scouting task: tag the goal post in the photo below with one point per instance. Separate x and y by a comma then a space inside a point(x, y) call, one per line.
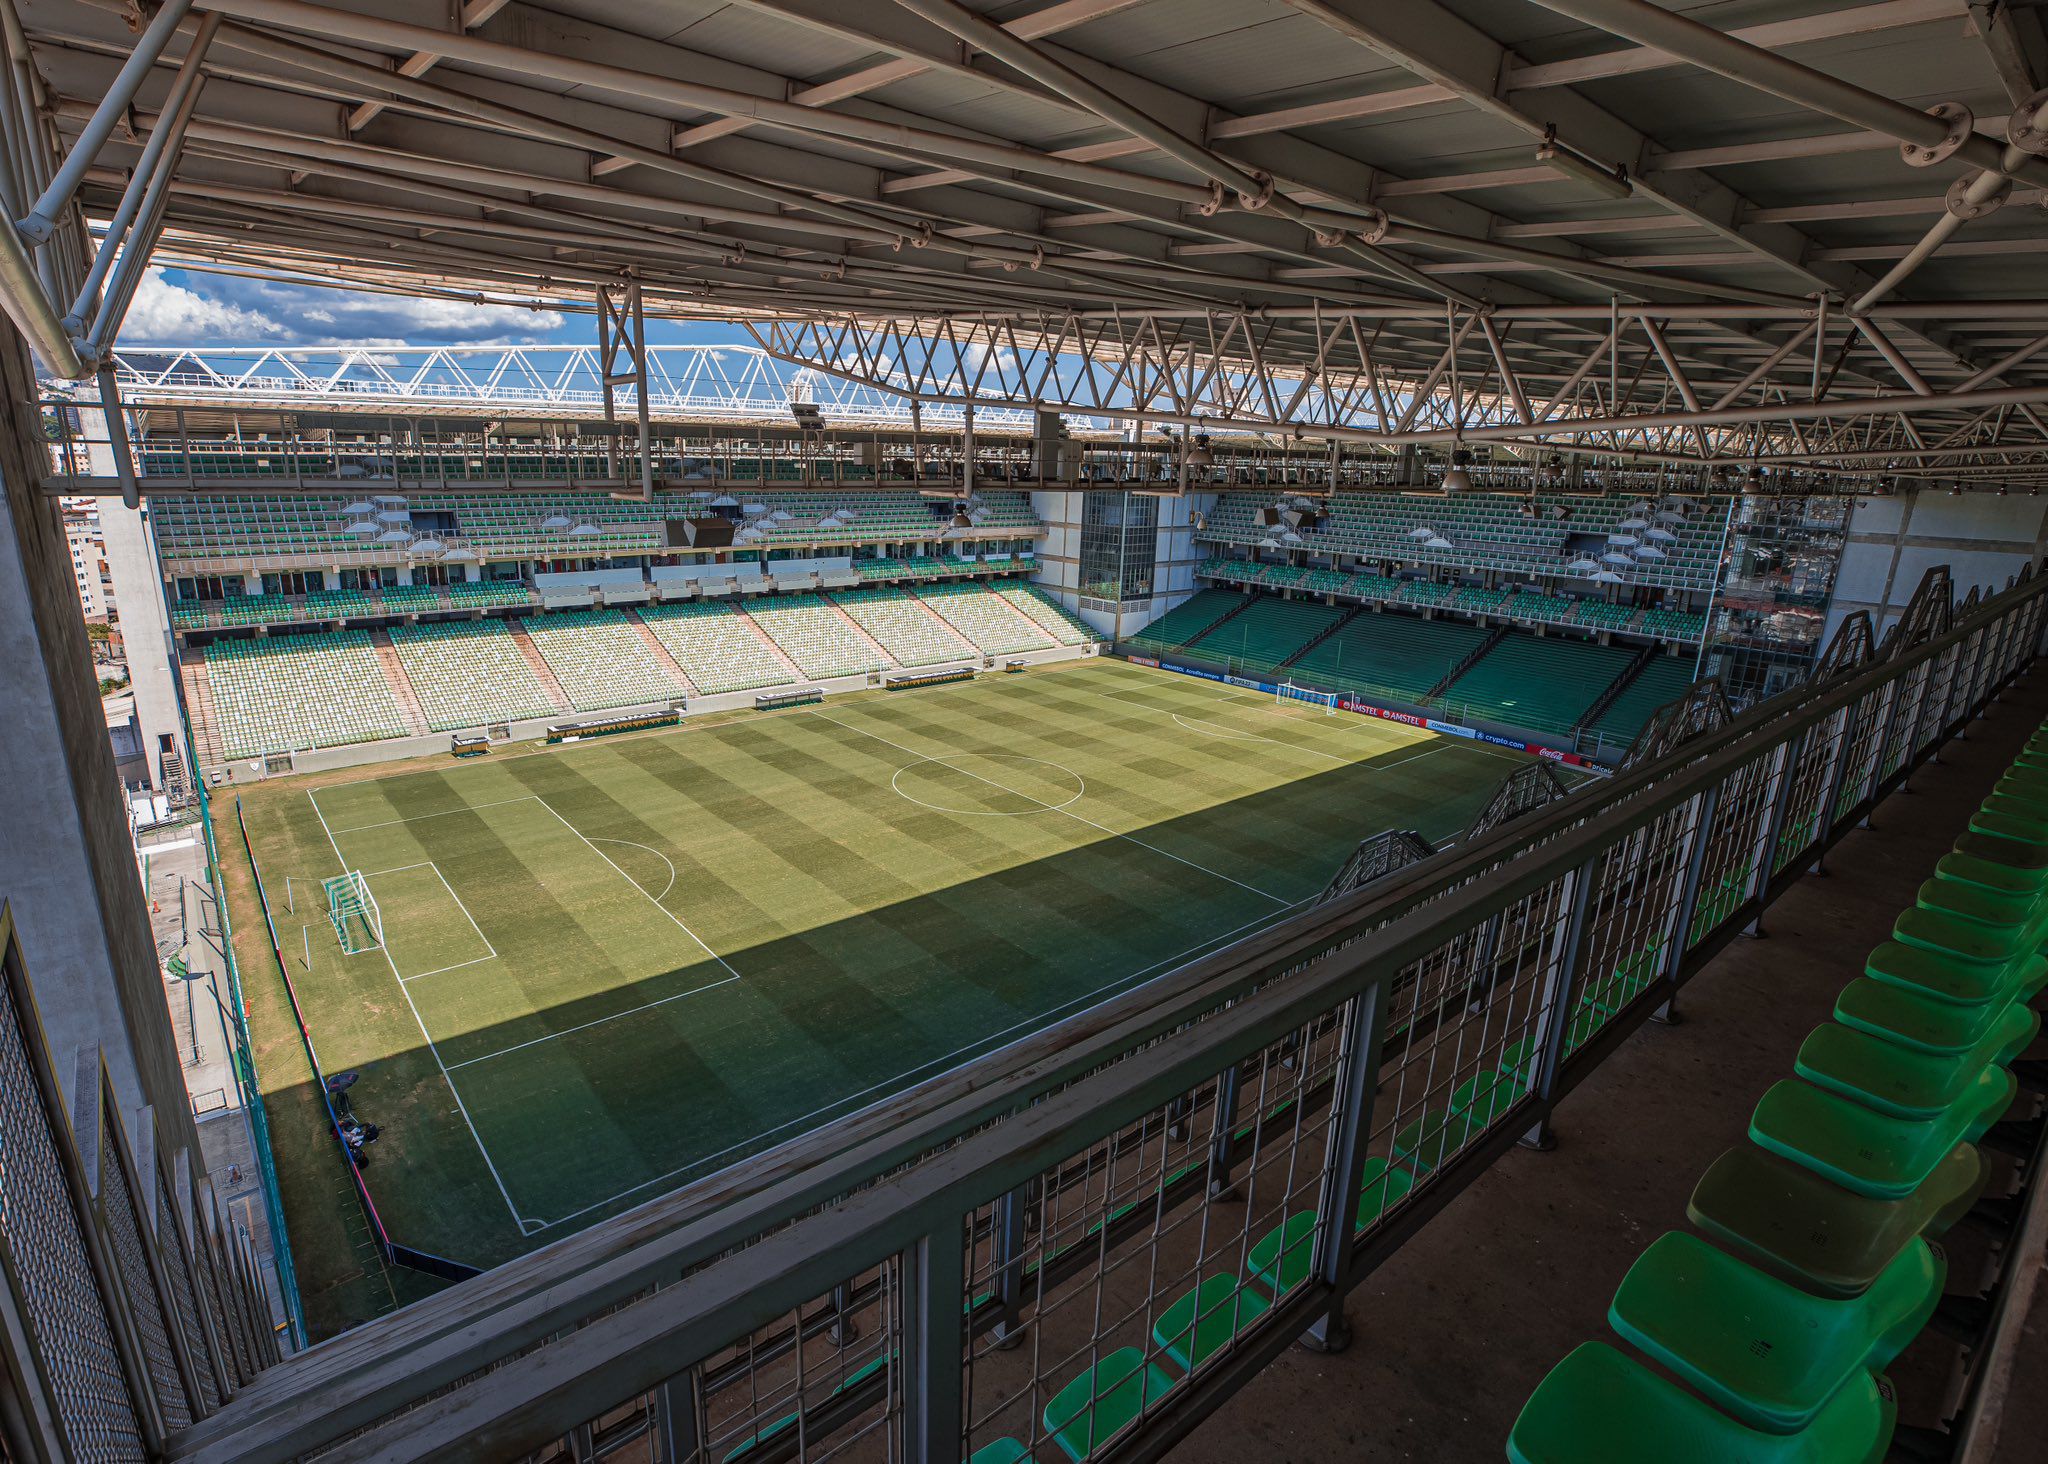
point(358, 923)
point(1287, 691)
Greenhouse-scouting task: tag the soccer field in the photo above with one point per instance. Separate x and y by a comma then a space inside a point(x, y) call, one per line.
point(613, 967)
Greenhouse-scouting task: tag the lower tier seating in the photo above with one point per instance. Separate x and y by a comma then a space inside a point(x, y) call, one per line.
point(469, 672)
point(600, 660)
point(985, 618)
point(1268, 632)
point(1398, 657)
point(811, 633)
point(716, 647)
point(1663, 680)
point(903, 627)
point(1062, 624)
point(281, 692)
point(1187, 620)
point(1541, 682)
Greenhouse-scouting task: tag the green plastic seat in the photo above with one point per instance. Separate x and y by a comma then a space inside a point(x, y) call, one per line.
point(1486, 1096)
point(1915, 1019)
point(1381, 1185)
point(2006, 826)
point(2021, 813)
point(1818, 1235)
point(1001, 1451)
point(1763, 1351)
point(1280, 1259)
point(1198, 1325)
point(780, 1426)
point(2024, 916)
point(1866, 1151)
point(1993, 875)
point(2018, 853)
point(1966, 941)
point(1599, 1407)
point(1104, 1400)
point(1907, 1082)
point(1935, 974)
point(1432, 1135)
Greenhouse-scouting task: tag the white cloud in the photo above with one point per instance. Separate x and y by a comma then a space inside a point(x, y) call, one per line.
point(165, 313)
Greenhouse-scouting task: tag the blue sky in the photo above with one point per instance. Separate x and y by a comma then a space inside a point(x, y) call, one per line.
point(175, 307)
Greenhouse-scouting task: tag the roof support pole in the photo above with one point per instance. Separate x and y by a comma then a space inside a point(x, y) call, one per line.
point(41, 221)
point(1983, 193)
point(1892, 355)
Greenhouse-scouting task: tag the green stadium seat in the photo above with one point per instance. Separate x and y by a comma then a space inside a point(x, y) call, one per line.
point(2022, 917)
point(2019, 853)
point(1599, 1407)
point(1280, 1259)
point(1426, 1140)
point(1916, 1020)
point(1966, 942)
point(1765, 1352)
point(1381, 1185)
point(2005, 826)
point(1866, 1151)
point(1816, 1234)
point(1995, 875)
point(1902, 1081)
point(1201, 1322)
point(1103, 1401)
point(1944, 977)
point(1001, 1451)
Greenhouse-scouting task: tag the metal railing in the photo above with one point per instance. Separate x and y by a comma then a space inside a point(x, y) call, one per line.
point(132, 1305)
point(1008, 1252)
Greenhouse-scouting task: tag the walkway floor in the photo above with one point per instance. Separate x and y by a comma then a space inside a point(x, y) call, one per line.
point(1454, 1332)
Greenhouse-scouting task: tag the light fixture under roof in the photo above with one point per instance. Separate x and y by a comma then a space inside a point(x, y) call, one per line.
point(1633, 521)
point(1458, 477)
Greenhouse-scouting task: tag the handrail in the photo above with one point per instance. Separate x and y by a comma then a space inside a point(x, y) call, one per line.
point(988, 1125)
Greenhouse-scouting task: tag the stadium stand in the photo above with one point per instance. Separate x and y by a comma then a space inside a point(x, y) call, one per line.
point(1267, 633)
point(479, 593)
point(1822, 1258)
point(717, 649)
point(1399, 657)
point(600, 660)
point(468, 673)
point(323, 689)
point(1543, 682)
point(903, 627)
point(1662, 680)
point(1054, 618)
point(985, 618)
point(812, 634)
point(1188, 620)
point(1603, 615)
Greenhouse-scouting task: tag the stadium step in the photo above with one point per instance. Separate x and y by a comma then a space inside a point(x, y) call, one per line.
point(1470, 659)
point(880, 651)
point(207, 749)
point(1324, 634)
point(1643, 661)
point(660, 652)
point(401, 684)
point(796, 672)
point(542, 671)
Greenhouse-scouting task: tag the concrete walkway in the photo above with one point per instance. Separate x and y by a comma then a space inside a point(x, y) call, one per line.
point(1454, 1332)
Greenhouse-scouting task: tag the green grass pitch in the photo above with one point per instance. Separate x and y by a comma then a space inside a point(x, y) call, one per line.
point(613, 967)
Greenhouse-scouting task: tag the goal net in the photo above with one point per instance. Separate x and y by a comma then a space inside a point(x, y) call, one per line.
point(358, 923)
point(1287, 691)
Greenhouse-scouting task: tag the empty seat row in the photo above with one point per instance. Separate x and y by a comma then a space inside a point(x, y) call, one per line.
point(717, 647)
point(902, 626)
point(1765, 1335)
point(985, 618)
point(281, 692)
point(600, 660)
point(467, 673)
point(1062, 624)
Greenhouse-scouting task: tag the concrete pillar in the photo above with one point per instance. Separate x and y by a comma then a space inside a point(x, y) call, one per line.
point(145, 632)
point(67, 865)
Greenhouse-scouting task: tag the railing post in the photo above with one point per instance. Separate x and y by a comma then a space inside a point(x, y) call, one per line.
point(1561, 995)
point(1009, 1237)
point(677, 1440)
point(1895, 698)
point(1789, 752)
point(1223, 1151)
point(1679, 935)
point(934, 1332)
point(1364, 1028)
point(1825, 824)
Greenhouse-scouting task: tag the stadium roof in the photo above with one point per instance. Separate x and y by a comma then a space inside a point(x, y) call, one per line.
point(1778, 228)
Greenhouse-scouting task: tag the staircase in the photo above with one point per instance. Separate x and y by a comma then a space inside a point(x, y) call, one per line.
point(796, 672)
point(1324, 634)
point(207, 748)
point(401, 684)
point(1500, 634)
point(1616, 687)
point(660, 652)
point(882, 656)
point(541, 669)
point(1244, 603)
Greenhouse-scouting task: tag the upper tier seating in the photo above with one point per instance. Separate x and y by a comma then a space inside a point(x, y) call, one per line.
point(812, 634)
point(1541, 682)
point(468, 673)
point(471, 593)
point(1267, 633)
point(1396, 656)
point(1187, 620)
point(297, 691)
point(905, 629)
point(985, 618)
point(718, 649)
point(1661, 681)
point(600, 660)
point(1057, 620)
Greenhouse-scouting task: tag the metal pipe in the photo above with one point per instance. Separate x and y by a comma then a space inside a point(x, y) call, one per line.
point(1983, 189)
point(28, 306)
point(41, 221)
point(158, 154)
point(1892, 355)
point(1753, 66)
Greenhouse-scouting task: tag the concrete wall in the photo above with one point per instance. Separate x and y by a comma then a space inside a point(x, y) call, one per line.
point(145, 631)
point(1985, 539)
point(67, 866)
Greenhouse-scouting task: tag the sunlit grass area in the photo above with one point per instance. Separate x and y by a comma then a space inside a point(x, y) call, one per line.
point(614, 967)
